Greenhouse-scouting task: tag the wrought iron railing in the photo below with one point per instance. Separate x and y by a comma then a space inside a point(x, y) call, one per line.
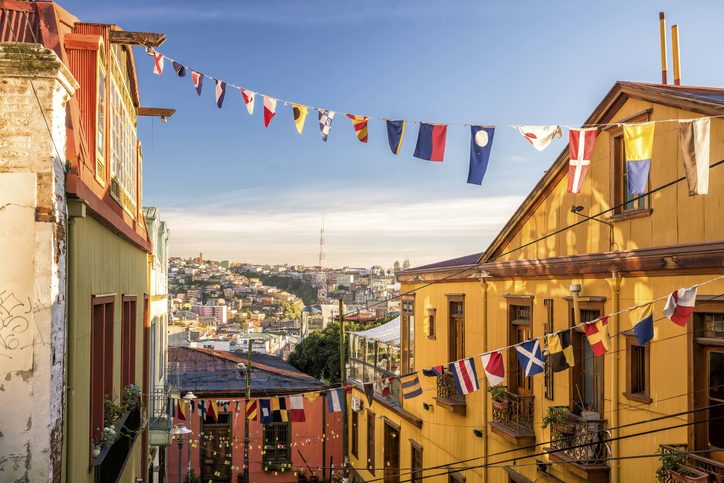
point(446, 389)
point(159, 410)
point(108, 465)
point(714, 469)
point(581, 438)
point(515, 412)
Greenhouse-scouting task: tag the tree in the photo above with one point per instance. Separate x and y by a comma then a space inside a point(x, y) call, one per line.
point(396, 267)
point(406, 264)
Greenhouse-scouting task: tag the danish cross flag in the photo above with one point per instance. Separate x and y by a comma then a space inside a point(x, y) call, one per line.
point(580, 150)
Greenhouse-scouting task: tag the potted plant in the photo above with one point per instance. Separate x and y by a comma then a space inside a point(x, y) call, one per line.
point(111, 412)
point(96, 444)
point(498, 397)
point(672, 467)
point(558, 422)
point(131, 397)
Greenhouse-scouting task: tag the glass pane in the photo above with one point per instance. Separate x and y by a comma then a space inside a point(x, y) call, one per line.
point(716, 425)
point(716, 375)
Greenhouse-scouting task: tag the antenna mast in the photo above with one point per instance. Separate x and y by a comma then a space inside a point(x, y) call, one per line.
point(321, 275)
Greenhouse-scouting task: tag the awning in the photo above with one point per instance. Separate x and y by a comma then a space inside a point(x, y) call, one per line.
point(388, 333)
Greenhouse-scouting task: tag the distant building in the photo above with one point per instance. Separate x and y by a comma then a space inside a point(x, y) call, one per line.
point(317, 317)
point(218, 312)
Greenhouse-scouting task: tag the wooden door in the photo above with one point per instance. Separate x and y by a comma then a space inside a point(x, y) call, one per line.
point(215, 449)
point(523, 385)
point(392, 454)
point(456, 340)
point(587, 376)
point(708, 358)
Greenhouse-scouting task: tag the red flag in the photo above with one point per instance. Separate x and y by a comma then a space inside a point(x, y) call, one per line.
point(580, 151)
point(270, 109)
point(157, 63)
point(296, 403)
point(597, 334)
point(198, 79)
point(680, 306)
point(181, 411)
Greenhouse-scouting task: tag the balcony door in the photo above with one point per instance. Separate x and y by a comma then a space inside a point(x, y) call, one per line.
point(519, 322)
point(456, 328)
point(587, 376)
point(392, 454)
point(708, 378)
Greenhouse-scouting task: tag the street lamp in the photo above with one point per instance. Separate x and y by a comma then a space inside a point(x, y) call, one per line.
point(245, 369)
point(189, 398)
point(178, 432)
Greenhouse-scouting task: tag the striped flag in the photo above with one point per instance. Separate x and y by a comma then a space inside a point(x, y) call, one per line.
point(325, 122)
point(644, 328)
point(198, 80)
point(395, 135)
point(157, 63)
point(431, 142)
point(638, 141)
point(434, 371)
point(270, 109)
point(694, 139)
point(296, 404)
point(220, 93)
point(248, 97)
point(360, 126)
point(252, 410)
point(335, 400)
point(580, 151)
point(680, 306)
point(410, 386)
point(466, 378)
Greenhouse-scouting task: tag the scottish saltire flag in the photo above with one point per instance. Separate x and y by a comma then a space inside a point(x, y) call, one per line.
point(265, 414)
point(639, 142)
point(530, 357)
point(494, 368)
point(396, 134)
point(198, 80)
point(360, 126)
point(431, 142)
point(220, 93)
point(597, 333)
point(248, 97)
point(680, 305)
point(296, 405)
point(180, 69)
point(540, 136)
point(270, 109)
point(644, 328)
point(335, 400)
point(157, 63)
point(580, 151)
point(694, 138)
point(481, 140)
point(434, 371)
point(300, 115)
point(410, 386)
point(466, 378)
point(325, 122)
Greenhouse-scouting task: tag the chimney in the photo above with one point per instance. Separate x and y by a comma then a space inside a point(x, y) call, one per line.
point(662, 33)
point(675, 54)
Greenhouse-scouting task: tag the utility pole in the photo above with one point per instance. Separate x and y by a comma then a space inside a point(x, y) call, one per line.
point(249, 343)
point(343, 378)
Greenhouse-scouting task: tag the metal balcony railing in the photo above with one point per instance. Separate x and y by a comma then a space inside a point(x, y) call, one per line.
point(714, 469)
point(446, 389)
point(580, 438)
point(516, 412)
point(159, 410)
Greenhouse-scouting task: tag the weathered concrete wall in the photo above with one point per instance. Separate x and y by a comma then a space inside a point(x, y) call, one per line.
point(34, 88)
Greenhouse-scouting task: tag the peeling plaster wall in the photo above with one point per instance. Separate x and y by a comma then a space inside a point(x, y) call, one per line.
point(33, 219)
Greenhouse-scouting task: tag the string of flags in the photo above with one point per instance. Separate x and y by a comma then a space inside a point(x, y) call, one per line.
point(694, 136)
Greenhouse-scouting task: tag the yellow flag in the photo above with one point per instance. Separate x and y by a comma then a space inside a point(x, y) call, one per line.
point(300, 115)
point(639, 141)
point(311, 396)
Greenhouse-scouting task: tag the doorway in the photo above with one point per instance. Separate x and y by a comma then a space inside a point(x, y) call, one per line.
point(392, 453)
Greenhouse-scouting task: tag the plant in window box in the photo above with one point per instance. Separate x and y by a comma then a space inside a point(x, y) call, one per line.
point(672, 467)
point(131, 397)
point(558, 422)
point(499, 397)
point(111, 412)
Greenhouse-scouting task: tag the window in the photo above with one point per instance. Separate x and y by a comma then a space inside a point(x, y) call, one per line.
point(707, 373)
point(277, 440)
point(101, 122)
point(456, 327)
point(416, 462)
point(637, 370)
point(355, 434)
point(587, 376)
point(128, 341)
point(548, 303)
point(519, 321)
point(408, 335)
point(101, 360)
point(430, 324)
point(371, 442)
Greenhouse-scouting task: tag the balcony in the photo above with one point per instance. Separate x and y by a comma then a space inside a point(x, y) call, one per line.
point(109, 464)
point(711, 470)
point(448, 395)
point(580, 443)
point(513, 418)
point(159, 416)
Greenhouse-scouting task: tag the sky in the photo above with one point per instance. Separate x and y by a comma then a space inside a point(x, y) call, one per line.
point(232, 189)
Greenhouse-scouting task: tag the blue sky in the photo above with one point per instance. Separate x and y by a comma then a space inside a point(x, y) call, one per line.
point(235, 190)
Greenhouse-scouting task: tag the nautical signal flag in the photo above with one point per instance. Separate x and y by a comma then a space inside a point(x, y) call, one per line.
point(493, 367)
point(540, 136)
point(212, 410)
point(597, 333)
point(265, 415)
point(638, 141)
point(580, 151)
point(694, 140)
point(180, 69)
point(481, 141)
point(434, 371)
point(181, 409)
point(335, 400)
point(252, 410)
point(385, 385)
point(197, 78)
point(279, 410)
point(560, 350)
point(201, 409)
point(325, 122)
point(395, 135)
point(410, 386)
point(680, 305)
point(644, 328)
point(311, 396)
point(369, 390)
point(300, 115)
point(220, 93)
point(157, 63)
point(270, 109)
point(360, 126)
point(431, 142)
point(531, 359)
point(466, 378)
point(296, 405)
point(248, 97)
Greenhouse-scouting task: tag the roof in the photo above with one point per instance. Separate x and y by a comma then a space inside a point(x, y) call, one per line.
point(461, 262)
point(388, 333)
point(211, 371)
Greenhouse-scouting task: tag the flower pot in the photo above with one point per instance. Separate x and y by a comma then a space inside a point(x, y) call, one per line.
point(501, 405)
point(688, 475)
point(95, 451)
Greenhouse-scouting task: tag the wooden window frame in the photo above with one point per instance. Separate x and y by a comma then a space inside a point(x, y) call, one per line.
point(355, 434)
point(585, 303)
point(416, 474)
point(288, 444)
point(371, 428)
point(407, 335)
point(549, 380)
point(643, 397)
point(101, 370)
point(129, 309)
point(431, 320)
point(516, 300)
point(452, 356)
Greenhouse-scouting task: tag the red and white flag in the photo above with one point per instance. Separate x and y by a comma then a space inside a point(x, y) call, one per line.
point(296, 410)
point(494, 368)
point(270, 109)
point(680, 306)
point(385, 385)
point(248, 97)
point(540, 136)
point(198, 79)
point(580, 150)
point(157, 63)
point(466, 378)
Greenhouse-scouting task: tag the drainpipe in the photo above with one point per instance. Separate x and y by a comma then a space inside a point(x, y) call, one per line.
point(484, 289)
point(616, 297)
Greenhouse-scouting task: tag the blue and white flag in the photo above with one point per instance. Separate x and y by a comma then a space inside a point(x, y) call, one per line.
point(335, 400)
point(220, 93)
point(180, 69)
point(530, 357)
point(481, 140)
point(265, 414)
point(325, 122)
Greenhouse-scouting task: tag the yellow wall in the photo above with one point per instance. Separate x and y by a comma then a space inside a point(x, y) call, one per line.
point(100, 263)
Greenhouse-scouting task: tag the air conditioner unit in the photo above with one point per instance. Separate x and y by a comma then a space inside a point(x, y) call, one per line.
point(356, 404)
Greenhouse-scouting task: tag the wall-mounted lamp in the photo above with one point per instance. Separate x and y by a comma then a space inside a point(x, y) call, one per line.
point(478, 433)
point(426, 406)
point(542, 466)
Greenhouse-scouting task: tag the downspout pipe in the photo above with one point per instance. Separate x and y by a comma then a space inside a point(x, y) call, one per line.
point(616, 390)
point(484, 290)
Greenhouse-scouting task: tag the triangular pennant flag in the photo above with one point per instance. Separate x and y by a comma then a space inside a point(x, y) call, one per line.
point(644, 328)
point(360, 126)
point(311, 396)
point(531, 359)
point(270, 109)
point(325, 122)
point(580, 152)
point(157, 63)
point(597, 333)
point(540, 136)
point(248, 97)
point(481, 142)
point(395, 135)
point(431, 142)
point(680, 306)
point(494, 368)
point(694, 139)
point(638, 142)
point(198, 80)
point(466, 377)
point(252, 410)
point(369, 389)
point(213, 410)
point(434, 371)
point(410, 386)
point(296, 404)
point(181, 411)
point(300, 115)
point(180, 69)
point(220, 93)
point(560, 351)
point(335, 400)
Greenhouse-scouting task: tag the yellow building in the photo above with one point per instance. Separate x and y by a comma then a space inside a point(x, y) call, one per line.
point(527, 283)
